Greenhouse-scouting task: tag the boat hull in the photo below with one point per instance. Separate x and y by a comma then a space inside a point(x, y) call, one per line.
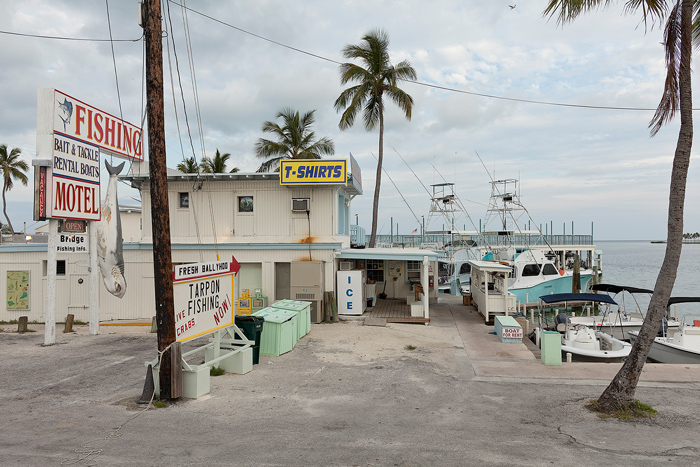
point(617, 330)
point(620, 352)
point(664, 351)
point(561, 284)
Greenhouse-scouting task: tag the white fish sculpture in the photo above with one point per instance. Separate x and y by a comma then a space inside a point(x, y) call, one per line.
point(110, 256)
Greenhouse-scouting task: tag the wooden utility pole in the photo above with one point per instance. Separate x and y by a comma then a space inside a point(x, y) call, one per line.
point(160, 213)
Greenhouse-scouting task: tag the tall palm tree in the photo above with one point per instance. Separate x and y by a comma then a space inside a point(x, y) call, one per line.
point(677, 97)
point(188, 166)
point(376, 77)
point(217, 164)
point(294, 140)
point(13, 168)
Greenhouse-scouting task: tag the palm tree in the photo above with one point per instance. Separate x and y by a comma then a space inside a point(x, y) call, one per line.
point(677, 97)
point(188, 166)
point(13, 168)
point(217, 165)
point(376, 76)
point(295, 140)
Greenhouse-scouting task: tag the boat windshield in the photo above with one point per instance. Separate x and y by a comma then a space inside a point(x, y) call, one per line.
point(690, 320)
point(549, 270)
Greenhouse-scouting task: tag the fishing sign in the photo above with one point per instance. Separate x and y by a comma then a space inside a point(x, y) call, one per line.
point(72, 136)
point(203, 296)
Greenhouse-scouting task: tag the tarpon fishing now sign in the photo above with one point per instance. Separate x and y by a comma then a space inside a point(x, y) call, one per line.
point(203, 296)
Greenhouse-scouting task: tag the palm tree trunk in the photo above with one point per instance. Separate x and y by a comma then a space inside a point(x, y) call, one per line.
point(378, 183)
point(620, 392)
point(4, 210)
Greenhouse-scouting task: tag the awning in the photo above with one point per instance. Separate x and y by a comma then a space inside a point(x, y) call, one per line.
point(577, 297)
point(395, 254)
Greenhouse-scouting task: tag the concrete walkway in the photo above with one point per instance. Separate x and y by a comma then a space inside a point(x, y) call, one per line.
point(400, 395)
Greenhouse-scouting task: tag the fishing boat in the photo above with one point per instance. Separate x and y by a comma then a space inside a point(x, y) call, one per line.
point(583, 342)
point(457, 247)
point(619, 321)
point(681, 345)
point(541, 264)
point(533, 274)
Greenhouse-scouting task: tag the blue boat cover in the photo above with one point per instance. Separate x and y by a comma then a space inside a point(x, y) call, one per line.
point(577, 297)
point(619, 288)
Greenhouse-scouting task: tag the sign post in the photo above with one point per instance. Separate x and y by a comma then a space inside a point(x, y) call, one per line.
point(71, 136)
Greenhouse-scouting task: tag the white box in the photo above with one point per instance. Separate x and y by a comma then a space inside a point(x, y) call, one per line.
point(350, 290)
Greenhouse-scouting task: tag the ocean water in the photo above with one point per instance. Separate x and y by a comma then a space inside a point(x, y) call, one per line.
point(637, 264)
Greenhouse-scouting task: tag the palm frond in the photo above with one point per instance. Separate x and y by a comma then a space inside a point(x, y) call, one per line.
point(569, 10)
point(670, 100)
point(294, 139)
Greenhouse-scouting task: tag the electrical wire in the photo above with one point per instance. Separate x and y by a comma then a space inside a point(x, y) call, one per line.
point(116, 76)
point(177, 71)
point(81, 39)
point(419, 83)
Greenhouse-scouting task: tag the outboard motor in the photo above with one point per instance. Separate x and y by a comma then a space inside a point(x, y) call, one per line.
point(663, 329)
point(561, 318)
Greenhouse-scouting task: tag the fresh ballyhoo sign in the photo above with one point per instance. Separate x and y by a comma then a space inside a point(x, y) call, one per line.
point(203, 295)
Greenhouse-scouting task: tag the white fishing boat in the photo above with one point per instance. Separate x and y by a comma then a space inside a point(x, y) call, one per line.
point(583, 342)
point(618, 321)
point(457, 247)
point(681, 345)
point(541, 264)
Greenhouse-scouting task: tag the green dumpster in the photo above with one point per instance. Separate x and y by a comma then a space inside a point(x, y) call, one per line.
point(550, 347)
point(252, 327)
point(279, 334)
point(304, 317)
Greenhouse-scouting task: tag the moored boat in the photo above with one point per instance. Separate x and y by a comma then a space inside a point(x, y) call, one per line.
point(583, 342)
point(619, 321)
point(682, 345)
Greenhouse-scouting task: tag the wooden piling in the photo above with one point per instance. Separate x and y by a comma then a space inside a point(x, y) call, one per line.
point(22, 324)
point(69, 323)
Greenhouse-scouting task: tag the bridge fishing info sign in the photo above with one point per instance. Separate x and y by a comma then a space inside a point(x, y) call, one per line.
point(203, 296)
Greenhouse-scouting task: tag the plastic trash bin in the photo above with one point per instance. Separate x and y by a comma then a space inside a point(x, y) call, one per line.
point(304, 317)
point(252, 327)
point(279, 335)
point(550, 348)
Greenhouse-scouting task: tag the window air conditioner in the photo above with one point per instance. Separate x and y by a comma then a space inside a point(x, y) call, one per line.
point(347, 265)
point(300, 204)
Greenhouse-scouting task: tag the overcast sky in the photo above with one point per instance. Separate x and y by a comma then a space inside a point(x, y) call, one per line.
point(594, 168)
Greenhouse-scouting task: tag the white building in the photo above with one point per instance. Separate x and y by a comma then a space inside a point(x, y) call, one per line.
point(268, 227)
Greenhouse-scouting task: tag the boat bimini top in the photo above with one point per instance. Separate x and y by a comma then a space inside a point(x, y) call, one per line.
point(615, 289)
point(577, 297)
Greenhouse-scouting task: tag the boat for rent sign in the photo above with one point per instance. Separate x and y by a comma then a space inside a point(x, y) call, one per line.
point(203, 296)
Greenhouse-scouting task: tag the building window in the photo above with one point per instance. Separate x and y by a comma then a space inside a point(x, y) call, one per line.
point(184, 200)
point(413, 271)
point(60, 267)
point(375, 270)
point(245, 204)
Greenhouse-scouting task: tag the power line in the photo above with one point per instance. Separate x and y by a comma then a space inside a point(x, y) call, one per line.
point(83, 39)
point(419, 83)
point(114, 61)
